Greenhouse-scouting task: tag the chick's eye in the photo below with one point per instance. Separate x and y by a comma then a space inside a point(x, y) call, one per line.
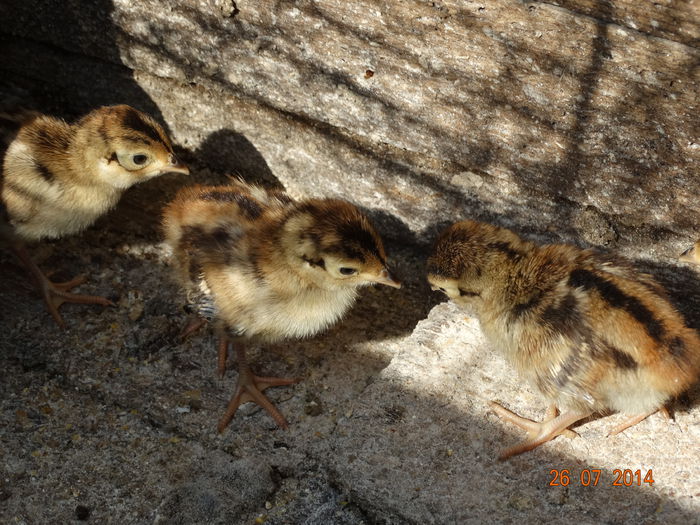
point(132, 161)
point(442, 290)
point(348, 271)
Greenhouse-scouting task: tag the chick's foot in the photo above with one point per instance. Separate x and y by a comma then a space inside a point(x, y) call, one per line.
point(55, 294)
point(250, 388)
point(538, 433)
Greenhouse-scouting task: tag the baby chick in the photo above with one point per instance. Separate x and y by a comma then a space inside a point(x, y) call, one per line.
point(266, 268)
point(586, 330)
point(692, 254)
point(59, 178)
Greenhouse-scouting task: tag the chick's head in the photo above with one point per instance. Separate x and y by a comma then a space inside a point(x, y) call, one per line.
point(127, 146)
point(470, 258)
point(337, 245)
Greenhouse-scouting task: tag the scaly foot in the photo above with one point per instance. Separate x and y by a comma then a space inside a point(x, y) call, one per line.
point(250, 388)
point(55, 294)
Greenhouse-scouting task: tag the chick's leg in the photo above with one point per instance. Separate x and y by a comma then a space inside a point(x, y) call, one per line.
point(55, 294)
point(194, 323)
point(636, 419)
point(250, 388)
point(538, 433)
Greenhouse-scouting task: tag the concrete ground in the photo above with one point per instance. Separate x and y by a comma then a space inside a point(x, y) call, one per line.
point(113, 420)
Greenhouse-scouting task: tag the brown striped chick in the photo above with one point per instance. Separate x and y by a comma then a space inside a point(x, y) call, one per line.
point(59, 178)
point(692, 254)
point(266, 269)
point(588, 331)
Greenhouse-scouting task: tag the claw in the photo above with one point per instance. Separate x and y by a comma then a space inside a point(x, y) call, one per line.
point(250, 388)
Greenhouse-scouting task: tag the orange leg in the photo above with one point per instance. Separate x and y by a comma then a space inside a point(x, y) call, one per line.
point(222, 355)
point(194, 323)
point(55, 294)
point(636, 419)
point(538, 433)
point(250, 388)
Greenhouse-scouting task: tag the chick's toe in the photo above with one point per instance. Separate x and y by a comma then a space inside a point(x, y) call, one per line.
point(552, 426)
point(249, 388)
point(55, 294)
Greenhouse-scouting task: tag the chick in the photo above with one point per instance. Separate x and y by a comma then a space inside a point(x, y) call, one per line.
point(692, 254)
point(265, 268)
point(588, 331)
point(59, 178)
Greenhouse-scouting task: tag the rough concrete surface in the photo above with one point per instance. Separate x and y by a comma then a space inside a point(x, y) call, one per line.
point(574, 122)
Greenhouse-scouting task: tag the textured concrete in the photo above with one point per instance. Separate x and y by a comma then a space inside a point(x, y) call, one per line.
point(529, 113)
point(573, 122)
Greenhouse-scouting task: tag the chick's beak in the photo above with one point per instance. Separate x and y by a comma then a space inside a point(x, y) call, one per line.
point(175, 166)
point(386, 278)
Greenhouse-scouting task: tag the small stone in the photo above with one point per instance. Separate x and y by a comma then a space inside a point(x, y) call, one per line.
point(313, 406)
point(135, 304)
point(395, 414)
point(520, 502)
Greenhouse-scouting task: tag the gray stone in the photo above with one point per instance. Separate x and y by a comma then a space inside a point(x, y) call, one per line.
point(548, 111)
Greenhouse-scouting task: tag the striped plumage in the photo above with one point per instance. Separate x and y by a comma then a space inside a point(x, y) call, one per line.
point(587, 330)
point(59, 178)
point(271, 267)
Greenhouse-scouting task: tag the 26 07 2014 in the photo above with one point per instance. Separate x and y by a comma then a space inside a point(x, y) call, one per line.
point(592, 477)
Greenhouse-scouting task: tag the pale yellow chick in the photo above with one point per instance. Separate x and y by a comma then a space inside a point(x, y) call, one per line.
point(59, 178)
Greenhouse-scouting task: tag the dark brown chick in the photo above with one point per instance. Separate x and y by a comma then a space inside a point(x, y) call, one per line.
point(267, 269)
point(588, 331)
point(59, 178)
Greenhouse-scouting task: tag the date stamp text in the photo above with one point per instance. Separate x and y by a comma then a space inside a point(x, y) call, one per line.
point(591, 477)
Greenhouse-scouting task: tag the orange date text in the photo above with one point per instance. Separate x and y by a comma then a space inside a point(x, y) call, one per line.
point(593, 476)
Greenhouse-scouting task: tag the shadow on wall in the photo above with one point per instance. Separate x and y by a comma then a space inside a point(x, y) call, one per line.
point(81, 68)
point(231, 153)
